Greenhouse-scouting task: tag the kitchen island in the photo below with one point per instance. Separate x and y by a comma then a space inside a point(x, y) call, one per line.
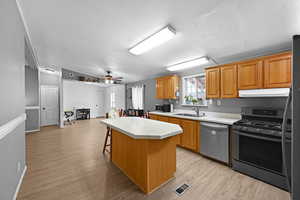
point(144, 149)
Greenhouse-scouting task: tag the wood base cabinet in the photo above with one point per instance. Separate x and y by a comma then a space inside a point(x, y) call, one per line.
point(177, 121)
point(154, 117)
point(189, 139)
point(148, 163)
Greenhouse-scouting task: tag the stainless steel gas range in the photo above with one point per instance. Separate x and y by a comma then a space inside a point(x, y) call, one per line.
point(257, 145)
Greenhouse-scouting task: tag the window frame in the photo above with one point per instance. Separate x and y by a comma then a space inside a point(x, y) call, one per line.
point(184, 92)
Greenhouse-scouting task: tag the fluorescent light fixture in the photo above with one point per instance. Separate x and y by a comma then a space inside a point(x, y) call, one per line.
point(154, 40)
point(189, 64)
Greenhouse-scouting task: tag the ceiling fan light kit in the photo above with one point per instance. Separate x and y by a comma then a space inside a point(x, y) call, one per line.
point(109, 79)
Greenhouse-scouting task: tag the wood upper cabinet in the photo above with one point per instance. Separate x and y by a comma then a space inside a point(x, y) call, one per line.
point(160, 88)
point(212, 82)
point(265, 72)
point(250, 75)
point(277, 71)
point(173, 87)
point(228, 81)
point(166, 87)
point(189, 137)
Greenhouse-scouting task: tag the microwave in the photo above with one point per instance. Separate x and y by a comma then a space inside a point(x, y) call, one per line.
point(164, 107)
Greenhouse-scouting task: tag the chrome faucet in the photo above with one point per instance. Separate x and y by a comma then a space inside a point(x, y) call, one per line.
point(197, 110)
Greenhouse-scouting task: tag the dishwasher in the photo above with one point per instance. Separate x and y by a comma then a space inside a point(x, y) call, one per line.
point(214, 141)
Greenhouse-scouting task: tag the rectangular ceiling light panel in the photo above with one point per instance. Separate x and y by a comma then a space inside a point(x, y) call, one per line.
point(188, 64)
point(154, 40)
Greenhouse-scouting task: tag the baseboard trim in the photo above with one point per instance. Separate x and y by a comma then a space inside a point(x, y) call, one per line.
point(20, 183)
point(32, 131)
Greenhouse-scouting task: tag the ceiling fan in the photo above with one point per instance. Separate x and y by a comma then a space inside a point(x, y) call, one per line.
point(109, 79)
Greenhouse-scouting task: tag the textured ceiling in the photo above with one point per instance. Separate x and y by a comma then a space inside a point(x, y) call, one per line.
point(92, 36)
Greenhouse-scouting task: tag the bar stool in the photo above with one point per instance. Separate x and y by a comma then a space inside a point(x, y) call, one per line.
point(108, 135)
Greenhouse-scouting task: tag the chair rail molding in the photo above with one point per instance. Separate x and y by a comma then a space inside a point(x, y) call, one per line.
point(11, 125)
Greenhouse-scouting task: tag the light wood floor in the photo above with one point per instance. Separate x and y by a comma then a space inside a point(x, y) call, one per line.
point(67, 164)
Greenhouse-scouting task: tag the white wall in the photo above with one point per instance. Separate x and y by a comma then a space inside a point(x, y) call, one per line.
point(12, 97)
point(81, 95)
point(48, 78)
point(97, 98)
point(119, 91)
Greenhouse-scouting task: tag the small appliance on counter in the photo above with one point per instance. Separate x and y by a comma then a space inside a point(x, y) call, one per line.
point(158, 107)
point(257, 145)
point(164, 107)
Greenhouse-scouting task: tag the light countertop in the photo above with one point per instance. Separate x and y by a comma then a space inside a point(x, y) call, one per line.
point(141, 128)
point(216, 117)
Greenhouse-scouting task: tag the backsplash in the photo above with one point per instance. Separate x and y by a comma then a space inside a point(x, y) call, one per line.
point(227, 105)
point(235, 105)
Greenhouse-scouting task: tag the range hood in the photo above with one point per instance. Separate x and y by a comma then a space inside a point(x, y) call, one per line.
point(275, 92)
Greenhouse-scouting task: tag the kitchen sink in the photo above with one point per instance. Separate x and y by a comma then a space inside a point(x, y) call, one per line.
point(190, 115)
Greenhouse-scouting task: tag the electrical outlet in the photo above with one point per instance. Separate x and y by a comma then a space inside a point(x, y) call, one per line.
point(18, 167)
point(218, 102)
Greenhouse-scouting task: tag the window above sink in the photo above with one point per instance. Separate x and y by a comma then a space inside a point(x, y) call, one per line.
point(193, 90)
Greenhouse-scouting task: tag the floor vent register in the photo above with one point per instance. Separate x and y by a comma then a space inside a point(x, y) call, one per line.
point(181, 189)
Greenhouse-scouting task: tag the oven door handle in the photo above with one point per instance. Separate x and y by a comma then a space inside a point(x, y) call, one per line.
point(258, 137)
point(284, 140)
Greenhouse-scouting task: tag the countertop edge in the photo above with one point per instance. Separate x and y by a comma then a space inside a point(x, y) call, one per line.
point(142, 136)
point(219, 120)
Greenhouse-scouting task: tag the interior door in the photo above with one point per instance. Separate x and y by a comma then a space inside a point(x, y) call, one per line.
point(99, 107)
point(49, 105)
